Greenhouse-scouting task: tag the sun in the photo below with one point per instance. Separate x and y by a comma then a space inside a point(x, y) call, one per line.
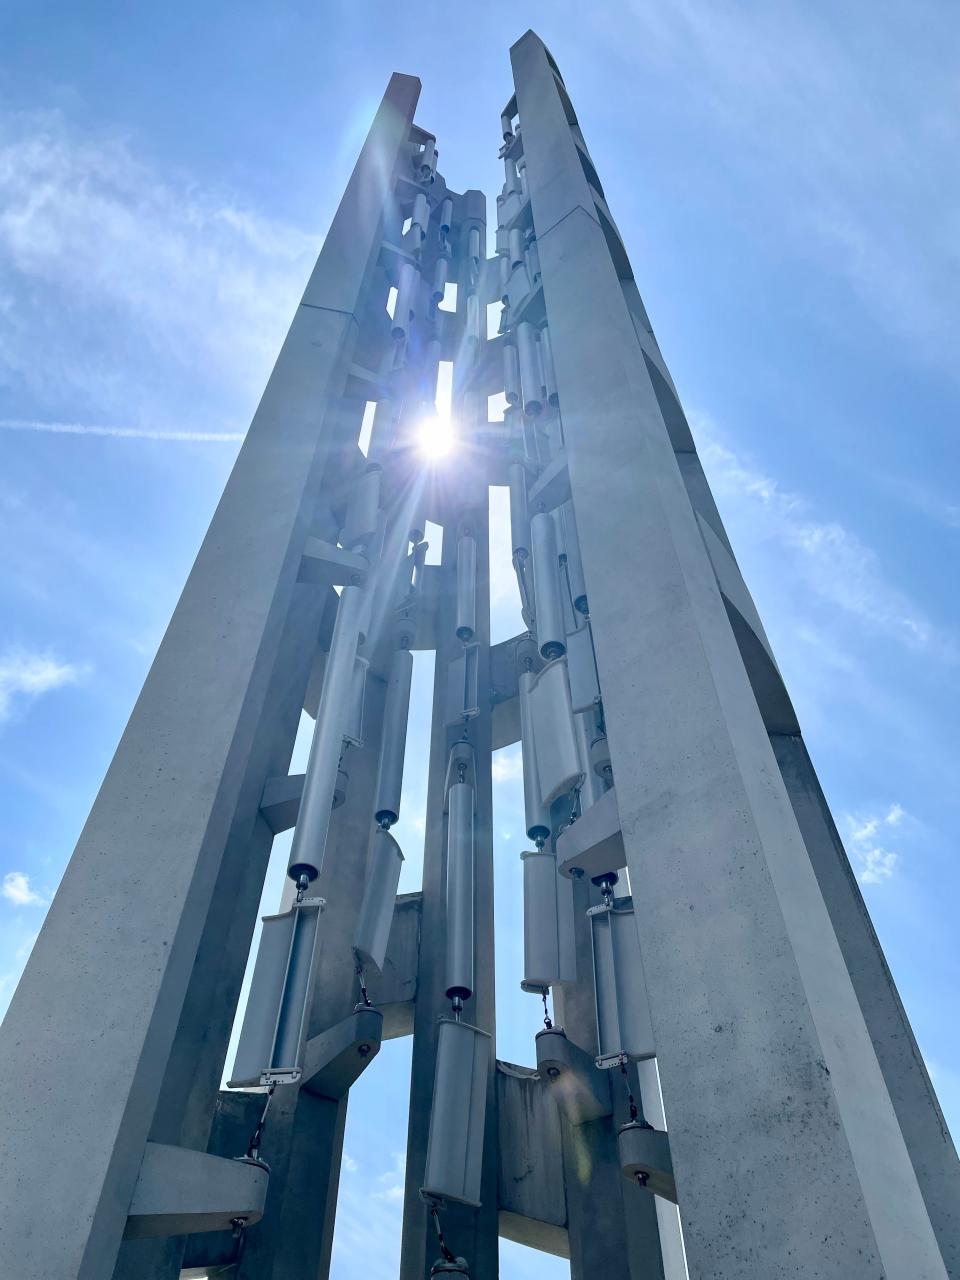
point(435, 436)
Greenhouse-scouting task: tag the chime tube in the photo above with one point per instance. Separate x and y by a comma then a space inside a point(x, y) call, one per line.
point(313, 818)
point(420, 217)
point(383, 434)
point(515, 248)
point(466, 587)
point(537, 813)
point(455, 1143)
point(408, 287)
point(551, 632)
point(460, 892)
point(379, 898)
point(559, 766)
point(549, 944)
point(473, 245)
point(571, 549)
point(546, 357)
point(393, 742)
point(529, 368)
point(270, 1048)
point(353, 728)
point(506, 126)
point(472, 319)
point(363, 509)
point(427, 160)
point(511, 373)
point(440, 273)
point(519, 515)
point(431, 368)
point(504, 278)
point(533, 261)
point(446, 216)
point(510, 172)
point(540, 942)
point(592, 787)
point(623, 1014)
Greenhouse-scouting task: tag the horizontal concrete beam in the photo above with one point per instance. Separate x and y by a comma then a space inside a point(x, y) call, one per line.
point(180, 1192)
point(327, 565)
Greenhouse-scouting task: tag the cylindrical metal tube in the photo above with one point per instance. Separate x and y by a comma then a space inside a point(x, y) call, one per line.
point(440, 272)
point(503, 240)
point(540, 941)
point(522, 175)
point(537, 814)
point(519, 516)
point(431, 368)
point(529, 368)
point(363, 509)
point(533, 262)
point(515, 248)
point(427, 161)
point(372, 932)
point(512, 177)
point(466, 587)
point(592, 787)
point(571, 549)
point(506, 126)
point(393, 741)
point(511, 373)
point(383, 434)
point(472, 318)
point(420, 217)
point(504, 278)
point(473, 245)
point(460, 891)
point(546, 357)
point(446, 216)
point(316, 803)
point(551, 633)
point(405, 308)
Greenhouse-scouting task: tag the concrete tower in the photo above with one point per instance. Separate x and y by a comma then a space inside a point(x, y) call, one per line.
point(730, 1087)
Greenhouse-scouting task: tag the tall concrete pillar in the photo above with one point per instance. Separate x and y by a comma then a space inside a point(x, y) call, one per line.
point(756, 1021)
point(95, 1017)
point(471, 1233)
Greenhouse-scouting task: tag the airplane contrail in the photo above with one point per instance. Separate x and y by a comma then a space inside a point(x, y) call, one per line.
point(120, 433)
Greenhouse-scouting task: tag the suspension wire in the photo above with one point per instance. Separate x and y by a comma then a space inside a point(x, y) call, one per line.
point(546, 1012)
point(363, 987)
point(253, 1147)
point(444, 1247)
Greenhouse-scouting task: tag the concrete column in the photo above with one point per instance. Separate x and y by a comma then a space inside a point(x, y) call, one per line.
point(96, 1014)
point(925, 1131)
point(470, 1233)
point(761, 1041)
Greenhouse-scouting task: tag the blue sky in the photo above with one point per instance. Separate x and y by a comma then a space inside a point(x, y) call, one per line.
point(785, 179)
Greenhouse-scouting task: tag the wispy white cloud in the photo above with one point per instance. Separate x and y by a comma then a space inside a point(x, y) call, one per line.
point(829, 561)
point(838, 136)
point(119, 433)
point(16, 888)
point(26, 675)
point(117, 276)
point(867, 837)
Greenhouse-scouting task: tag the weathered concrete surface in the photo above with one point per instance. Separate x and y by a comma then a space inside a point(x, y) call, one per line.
point(761, 1041)
point(111, 970)
point(925, 1131)
point(533, 1207)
